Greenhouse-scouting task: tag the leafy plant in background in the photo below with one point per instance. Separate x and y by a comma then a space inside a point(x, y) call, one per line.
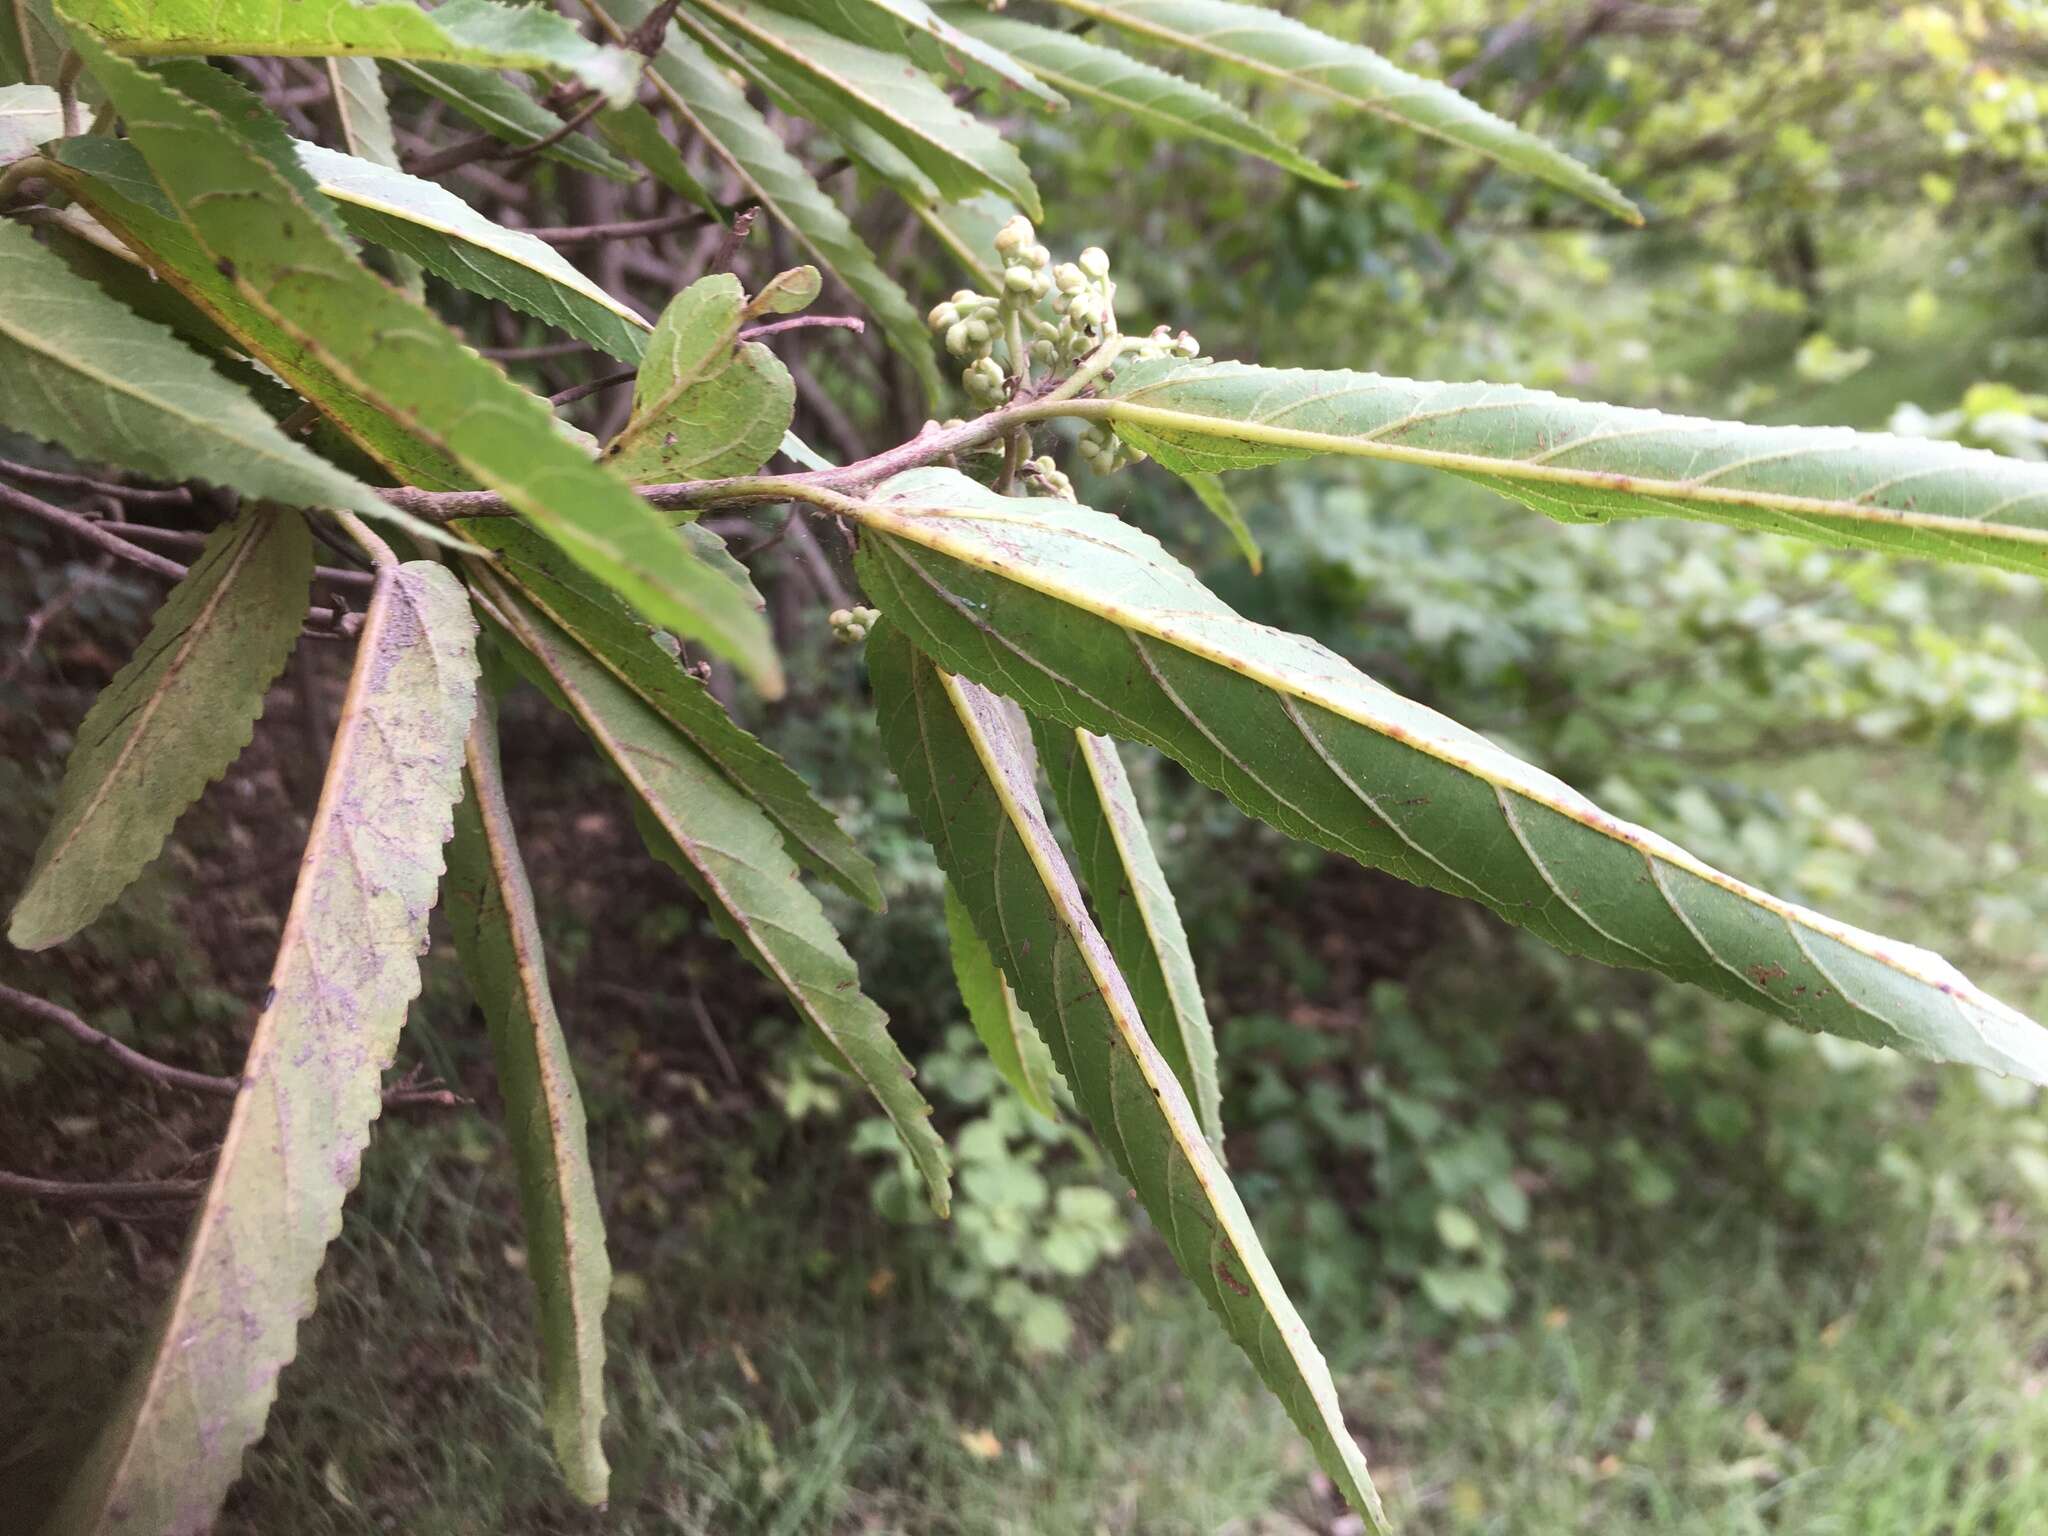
point(188, 302)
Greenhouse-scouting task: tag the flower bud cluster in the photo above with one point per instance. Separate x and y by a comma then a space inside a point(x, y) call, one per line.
point(1046, 474)
point(850, 626)
point(1104, 452)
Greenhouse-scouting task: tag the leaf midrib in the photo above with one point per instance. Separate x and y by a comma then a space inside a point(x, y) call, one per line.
point(915, 528)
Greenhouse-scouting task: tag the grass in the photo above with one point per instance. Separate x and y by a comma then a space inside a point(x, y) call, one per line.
point(778, 1368)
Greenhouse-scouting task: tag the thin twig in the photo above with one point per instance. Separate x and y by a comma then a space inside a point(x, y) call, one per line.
point(179, 538)
point(176, 496)
point(803, 323)
point(381, 554)
point(622, 229)
point(52, 610)
point(133, 1060)
point(593, 386)
point(65, 1190)
point(735, 236)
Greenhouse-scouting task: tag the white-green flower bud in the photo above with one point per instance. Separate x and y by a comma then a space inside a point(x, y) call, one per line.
point(1015, 236)
point(1069, 278)
point(1186, 345)
point(1044, 353)
point(1039, 257)
point(1095, 262)
point(944, 317)
point(1020, 278)
point(957, 340)
point(977, 331)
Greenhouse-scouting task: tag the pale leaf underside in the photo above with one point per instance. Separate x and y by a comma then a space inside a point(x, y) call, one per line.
point(1583, 462)
point(964, 762)
point(347, 967)
point(171, 721)
point(29, 115)
point(1085, 620)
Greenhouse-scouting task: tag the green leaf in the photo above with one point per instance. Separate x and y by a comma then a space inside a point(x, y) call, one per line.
point(1162, 101)
point(1007, 1033)
point(82, 371)
point(32, 43)
point(30, 116)
point(705, 403)
point(1136, 908)
point(787, 293)
point(478, 32)
point(960, 153)
point(490, 914)
point(507, 113)
point(170, 722)
point(731, 854)
point(404, 362)
point(1581, 462)
point(1273, 47)
point(588, 614)
point(109, 178)
point(1089, 622)
point(635, 132)
point(704, 97)
point(1209, 491)
point(364, 113)
point(964, 761)
point(941, 41)
point(968, 232)
point(425, 221)
point(347, 967)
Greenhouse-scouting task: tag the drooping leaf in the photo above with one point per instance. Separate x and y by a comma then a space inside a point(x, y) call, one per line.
point(702, 96)
point(1264, 43)
point(490, 913)
point(732, 855)
point(479, 32)
point(635, 132)
point(364, 115)
point(963, 760)
point(425, 221)
point(507, 112)
point(1164, 101)
point(705, 403)
point(30, 116)
point(1582, 462)
point(405, 363)
point(171, 721)
point(1007, 1033)
point(940, 40)
point(1087, 621)
point(79, 370)
point(968, 232)
point(347, 968)
point(1222, 506)
point(32, 43)
point(1135, 907)
point(959, 152)
point(109, 178)
point(589, 615)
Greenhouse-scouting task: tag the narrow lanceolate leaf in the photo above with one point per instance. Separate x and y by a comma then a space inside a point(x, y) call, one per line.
point(703, 96)
point(940, 40)
point(479, 32)
point(960, 153)
point(1582, 462)
point(706, 403)
point(171, 721)
point(1162, 101)
point(732, 855)
point(32, 43)
point(425, 221)
point(405, 363)
point(490, 913)
point(1085, 620)
point(584, 611)
point(1223, 507)
point(82, 371)
point(1263, 43)
point(1007, 1033)
point(963, 759)
point(968, 232)
point(637, 134)
point(110, 179)
point(347, 967)
point(364, 114)
point(1136, 908)
point(506, 112)
point(30, 115)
